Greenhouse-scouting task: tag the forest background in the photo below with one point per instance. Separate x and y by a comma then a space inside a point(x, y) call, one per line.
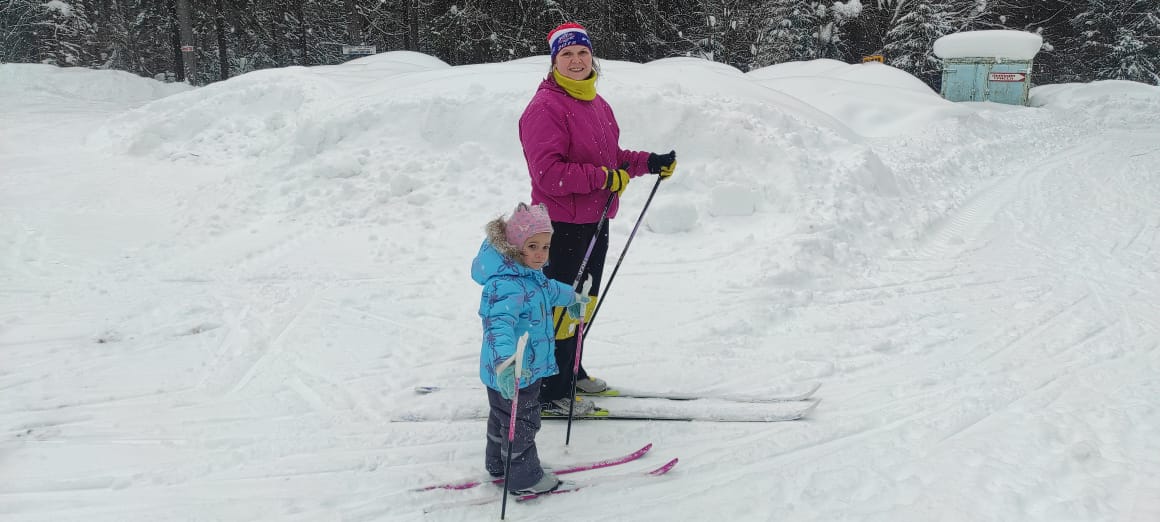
point(1084, 40)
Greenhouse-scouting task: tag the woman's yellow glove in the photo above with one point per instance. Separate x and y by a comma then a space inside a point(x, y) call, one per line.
point(616, 180)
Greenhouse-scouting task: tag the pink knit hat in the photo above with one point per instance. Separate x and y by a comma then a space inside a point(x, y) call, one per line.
point(526, 222)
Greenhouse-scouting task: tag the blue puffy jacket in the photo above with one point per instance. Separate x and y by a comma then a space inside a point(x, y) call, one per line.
point(515, 299)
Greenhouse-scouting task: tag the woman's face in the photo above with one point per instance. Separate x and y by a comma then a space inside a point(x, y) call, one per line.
point(574, 62)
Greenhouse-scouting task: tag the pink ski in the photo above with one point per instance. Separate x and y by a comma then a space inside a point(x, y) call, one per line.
point(568, 488)
point(576, 468)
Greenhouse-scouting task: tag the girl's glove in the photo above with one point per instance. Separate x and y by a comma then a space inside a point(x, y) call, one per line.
point(507, 381)
point(576, 309)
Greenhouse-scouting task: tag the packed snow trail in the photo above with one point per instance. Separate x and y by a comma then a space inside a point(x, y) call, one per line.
point(185, 339)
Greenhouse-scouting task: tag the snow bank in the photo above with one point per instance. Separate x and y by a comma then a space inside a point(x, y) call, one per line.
point(1013, 45)
point(21, 84)
point(377, 138)
point(254, 115)
point(1104, 103)
point(399, 61)
point(363, 140)
point(872, 99)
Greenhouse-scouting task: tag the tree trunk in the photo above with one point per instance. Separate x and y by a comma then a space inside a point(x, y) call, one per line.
point(178, 62)
point(412, 43)
point(302, 31)
point(223, 49)
point(354, 23)
point(188, 51)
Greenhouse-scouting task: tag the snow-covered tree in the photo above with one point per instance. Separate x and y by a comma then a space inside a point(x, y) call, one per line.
point(64, 33)
point(788, 33)
point(17, 27)
point(910, 42)
point(1120, 39)
point(795, 30)
point(1084, 39)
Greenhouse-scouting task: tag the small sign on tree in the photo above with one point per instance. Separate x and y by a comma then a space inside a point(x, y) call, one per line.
point(358, 50)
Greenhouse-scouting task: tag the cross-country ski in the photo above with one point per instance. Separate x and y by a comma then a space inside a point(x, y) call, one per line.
point(781, 394)
point(563, 470)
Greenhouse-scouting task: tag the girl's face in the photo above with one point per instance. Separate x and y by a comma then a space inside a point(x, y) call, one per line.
point(535, 252)
point(575, 62)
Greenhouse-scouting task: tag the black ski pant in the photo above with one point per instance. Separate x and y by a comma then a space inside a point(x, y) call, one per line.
point(526, 470)
point(569, 243)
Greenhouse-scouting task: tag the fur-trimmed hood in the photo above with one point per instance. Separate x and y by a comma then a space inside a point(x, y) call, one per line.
point(499, 258)
point(497, 236)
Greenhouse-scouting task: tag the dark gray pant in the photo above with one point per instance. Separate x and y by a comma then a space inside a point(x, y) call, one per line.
point(569, 243)
point(526, 469)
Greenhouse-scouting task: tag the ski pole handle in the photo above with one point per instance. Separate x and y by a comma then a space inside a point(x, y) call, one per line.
point(519, 361)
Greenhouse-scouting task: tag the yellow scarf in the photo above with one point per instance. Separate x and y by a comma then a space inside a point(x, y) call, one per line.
point(584, 90)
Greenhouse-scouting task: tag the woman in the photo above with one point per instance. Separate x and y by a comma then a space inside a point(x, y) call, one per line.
point(571, 143)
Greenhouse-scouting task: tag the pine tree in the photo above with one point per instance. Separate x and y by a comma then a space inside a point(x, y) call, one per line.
point(866, 34)
point(17, 30)
point(1060, 59)
point(787, 33)
point(910, 42)
point(1121, 39)
point(65, 35)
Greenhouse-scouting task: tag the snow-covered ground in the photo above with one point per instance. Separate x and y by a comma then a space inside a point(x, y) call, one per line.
point(215, 303)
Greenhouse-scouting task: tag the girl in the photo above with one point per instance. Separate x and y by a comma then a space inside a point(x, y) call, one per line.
point(518, 298)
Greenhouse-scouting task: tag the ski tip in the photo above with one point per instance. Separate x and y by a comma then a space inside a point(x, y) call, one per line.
point(665, 468)
point(423, 390)
point(606, 393)
point(813, 406)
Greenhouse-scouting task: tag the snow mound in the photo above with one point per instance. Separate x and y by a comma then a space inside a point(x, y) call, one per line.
point(367, 140)
point(731, 199)
point(255, 115)
point(697, 65)
point(22, 84)
point(1105, 103)
point(822, 67)
point(871, 99)
point(672, 217)
point(399, 60)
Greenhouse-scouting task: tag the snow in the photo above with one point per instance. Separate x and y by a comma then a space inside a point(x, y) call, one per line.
point(215, 303)
point(996, 43)
point(870, 99)
point(58, 5)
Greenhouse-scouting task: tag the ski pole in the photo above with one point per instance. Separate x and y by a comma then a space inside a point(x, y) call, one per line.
point(576, 361)
point(608, 285)
point(588, 253)
point(518, 359)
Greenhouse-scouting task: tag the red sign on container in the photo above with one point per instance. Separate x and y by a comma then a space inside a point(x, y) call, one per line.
point(1006, 77)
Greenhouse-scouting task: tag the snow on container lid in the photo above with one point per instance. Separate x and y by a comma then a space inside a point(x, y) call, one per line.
point(1012, 45)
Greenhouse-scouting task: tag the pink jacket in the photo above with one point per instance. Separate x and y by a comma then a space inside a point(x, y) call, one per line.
point(566, 141)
